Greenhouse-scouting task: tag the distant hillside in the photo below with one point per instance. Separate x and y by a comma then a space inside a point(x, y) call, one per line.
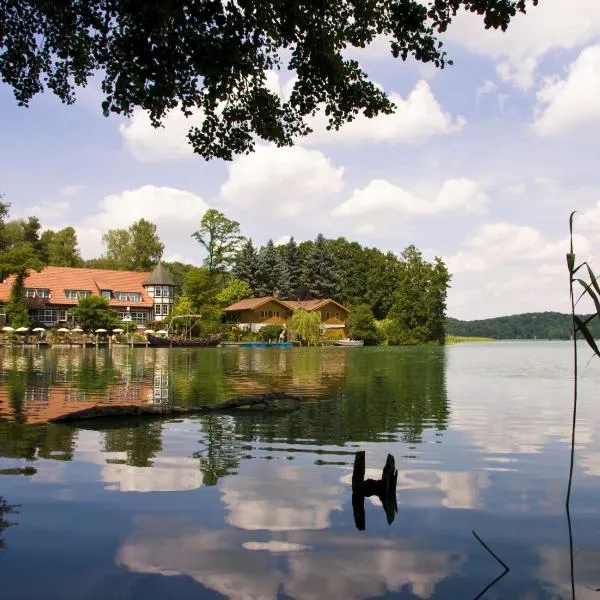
point(527, 326)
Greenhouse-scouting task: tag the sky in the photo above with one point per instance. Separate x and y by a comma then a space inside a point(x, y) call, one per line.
point(481, 164)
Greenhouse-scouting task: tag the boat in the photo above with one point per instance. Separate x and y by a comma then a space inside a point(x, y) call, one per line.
point(350, 343)
point(177, 342)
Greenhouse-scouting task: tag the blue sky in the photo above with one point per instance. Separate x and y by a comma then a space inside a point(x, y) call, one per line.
point(482, 164)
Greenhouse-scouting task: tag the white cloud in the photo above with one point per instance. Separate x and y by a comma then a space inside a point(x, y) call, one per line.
point(282, 240)
point(279, 500)
point(49, 210)
point(415, 119)
point(168, 142)
point(284, 182)
point(503, 268)
point(571, 104)
point(487, 87)
point(379, 196)
point(553, 24)
point(176, 213)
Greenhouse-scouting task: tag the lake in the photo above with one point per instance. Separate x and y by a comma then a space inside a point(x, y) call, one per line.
point(257, 504)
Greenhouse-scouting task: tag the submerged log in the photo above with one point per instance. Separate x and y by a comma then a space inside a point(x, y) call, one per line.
point(384, 489)
point(99, 411)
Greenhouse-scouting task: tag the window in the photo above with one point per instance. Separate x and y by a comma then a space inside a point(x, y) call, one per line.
point(262, 314)
point(327, 315)
point(158, 291)
point(106, 294)
point(37, 293)
point(277, 314)
point(76, 294)
point(135, 297)
point(158, 309)
point(337, 315)
point(270, 313)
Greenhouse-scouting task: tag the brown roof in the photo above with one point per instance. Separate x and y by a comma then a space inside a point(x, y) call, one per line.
point(59, 279)
point(313, 304)
point(252, 303)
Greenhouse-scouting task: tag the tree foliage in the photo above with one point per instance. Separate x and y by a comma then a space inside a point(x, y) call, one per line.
point(236, 290)
point(18, 261)
point(362, 324)
point(526, 326)
point(213, 57)
point(320, 274)
point(272, 275)
point(137, 248)
point(245, 265)
point(94, 312)
point(306, 325)
point(61, 249)
point(220, 237)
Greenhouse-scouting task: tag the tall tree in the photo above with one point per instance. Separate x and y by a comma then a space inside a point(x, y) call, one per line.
point(220, 237)
point(321, 275)
point(146, 247)
point(245, 264)
point(18, 261)
point(62, 248)
point(135, 249)
point(4, 210)
point(439, 282)
point(117, 247)
point(200, 287)
point(271, 279)
point(294, 266)
point(214, 56)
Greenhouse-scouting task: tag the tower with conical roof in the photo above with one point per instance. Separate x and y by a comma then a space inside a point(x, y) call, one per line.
point(161, 288)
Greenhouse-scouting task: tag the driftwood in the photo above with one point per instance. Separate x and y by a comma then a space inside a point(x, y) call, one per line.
point(99, 411)
point(384, 489)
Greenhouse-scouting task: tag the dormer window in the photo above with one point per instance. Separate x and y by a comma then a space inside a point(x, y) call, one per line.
point(77, 294)
point(106, 294)
point(128, 296)
point(37, 293)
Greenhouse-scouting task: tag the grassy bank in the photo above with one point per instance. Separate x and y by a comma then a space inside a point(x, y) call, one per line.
point(460, 339)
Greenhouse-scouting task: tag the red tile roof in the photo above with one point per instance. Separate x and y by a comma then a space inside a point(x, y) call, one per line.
point(59, 279)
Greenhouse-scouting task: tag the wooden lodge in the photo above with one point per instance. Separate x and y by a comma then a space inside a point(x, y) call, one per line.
point(251, 314)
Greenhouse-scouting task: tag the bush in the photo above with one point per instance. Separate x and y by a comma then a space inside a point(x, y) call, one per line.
point(362, 325)
point(270, 333)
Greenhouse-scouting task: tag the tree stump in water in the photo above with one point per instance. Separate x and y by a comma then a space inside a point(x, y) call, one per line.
point(384, 489)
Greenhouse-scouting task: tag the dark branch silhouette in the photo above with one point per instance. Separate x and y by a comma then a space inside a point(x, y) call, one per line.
point(384, 489)
point(490, 585)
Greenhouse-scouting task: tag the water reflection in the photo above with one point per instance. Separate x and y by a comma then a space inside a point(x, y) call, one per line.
point(6, 511)
point(258, 504)
point(354, 567)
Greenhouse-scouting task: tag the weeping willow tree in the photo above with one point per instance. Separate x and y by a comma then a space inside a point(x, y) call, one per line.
point(306, 325)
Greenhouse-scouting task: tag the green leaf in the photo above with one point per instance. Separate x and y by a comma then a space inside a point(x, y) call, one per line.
point(590, 293)
point(587, 335)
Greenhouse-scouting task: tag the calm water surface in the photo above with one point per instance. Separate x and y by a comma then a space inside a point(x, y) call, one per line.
point(257, 504)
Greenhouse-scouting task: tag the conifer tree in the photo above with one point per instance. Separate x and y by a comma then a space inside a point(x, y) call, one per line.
point(320, 273)
point(245, 265)
point(272, 273)
point(294, 265)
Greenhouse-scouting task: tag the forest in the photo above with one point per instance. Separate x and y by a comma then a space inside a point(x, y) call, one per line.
point(394, 298)
point(527, 326)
